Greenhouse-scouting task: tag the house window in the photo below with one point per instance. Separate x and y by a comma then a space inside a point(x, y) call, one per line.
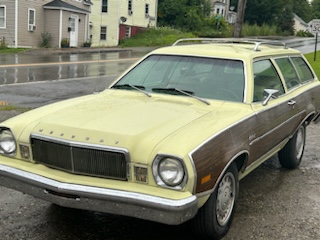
point(31, 19)
point(130, 7)
point(128, 31)
point(103, 33)
point(104, 6)
point(2, 16)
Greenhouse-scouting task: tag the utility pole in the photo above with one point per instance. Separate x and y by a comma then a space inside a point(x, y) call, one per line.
point(240, 17)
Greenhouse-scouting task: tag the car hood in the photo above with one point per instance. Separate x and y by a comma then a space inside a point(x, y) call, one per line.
point(131, 121)
point(118, 119)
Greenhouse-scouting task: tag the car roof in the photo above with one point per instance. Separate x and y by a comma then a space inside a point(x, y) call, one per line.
point(230, 49)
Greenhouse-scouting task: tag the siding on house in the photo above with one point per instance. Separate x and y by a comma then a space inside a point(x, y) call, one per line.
point(47, 20)
point(51, 26)
point(299, 24)
point(7, 34)
point(220, 7)
point(118, 11)
point(28, 38)
point(64, 14)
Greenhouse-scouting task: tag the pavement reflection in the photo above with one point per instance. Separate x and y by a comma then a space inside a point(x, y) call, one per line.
point(29, 67)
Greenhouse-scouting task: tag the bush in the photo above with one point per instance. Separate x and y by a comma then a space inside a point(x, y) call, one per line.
point(46, 40)
point(65, 43)
point(256, 30)
point(302, 33)
point(87, 44)
point(3, 43)
point(155, 37)
point(214, 27)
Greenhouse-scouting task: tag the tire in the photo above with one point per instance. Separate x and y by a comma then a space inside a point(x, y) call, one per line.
point(291, 155)
point(214, 219)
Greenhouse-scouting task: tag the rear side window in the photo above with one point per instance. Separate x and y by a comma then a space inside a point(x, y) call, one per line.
point(288, 71)
point(265, 77)
point(303, 69)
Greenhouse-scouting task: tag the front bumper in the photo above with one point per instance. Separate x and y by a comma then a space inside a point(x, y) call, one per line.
point(125, 203)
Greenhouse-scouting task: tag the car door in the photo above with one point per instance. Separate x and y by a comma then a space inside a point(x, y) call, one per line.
point(278, 118)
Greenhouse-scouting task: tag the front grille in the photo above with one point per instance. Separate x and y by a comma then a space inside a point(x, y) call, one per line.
point(80, 159)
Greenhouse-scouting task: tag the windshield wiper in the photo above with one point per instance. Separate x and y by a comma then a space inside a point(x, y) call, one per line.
point(184, 92)
point(130, 86)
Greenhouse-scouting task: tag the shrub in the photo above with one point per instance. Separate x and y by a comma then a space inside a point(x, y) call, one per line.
point(3, 43)
point(65, 43)
point(302, 33)
point(87, 44)
point(256, 30)
point(46, 39)
point(160, 36)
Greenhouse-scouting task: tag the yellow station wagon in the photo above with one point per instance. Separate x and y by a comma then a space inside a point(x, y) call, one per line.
point(171, 138)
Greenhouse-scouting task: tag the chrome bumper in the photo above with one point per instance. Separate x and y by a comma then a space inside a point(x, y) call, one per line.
point(125, 203)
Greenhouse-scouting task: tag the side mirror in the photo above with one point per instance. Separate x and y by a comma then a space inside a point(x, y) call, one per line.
point(269, 93)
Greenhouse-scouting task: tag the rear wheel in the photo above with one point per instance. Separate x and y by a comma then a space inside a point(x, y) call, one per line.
point(290, 156)
point(214, 218)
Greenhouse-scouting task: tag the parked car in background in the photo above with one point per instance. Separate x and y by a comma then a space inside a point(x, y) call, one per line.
point(171, 138)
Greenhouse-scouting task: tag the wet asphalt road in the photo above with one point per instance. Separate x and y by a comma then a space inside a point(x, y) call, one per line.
point(274, 203)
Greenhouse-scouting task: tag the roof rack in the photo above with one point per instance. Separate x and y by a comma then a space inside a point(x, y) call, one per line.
point(255, 42)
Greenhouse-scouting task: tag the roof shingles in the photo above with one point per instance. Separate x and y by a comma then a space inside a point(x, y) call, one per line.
point(58, 4)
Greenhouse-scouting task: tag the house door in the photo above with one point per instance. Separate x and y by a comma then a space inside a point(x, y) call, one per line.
point(74, 20)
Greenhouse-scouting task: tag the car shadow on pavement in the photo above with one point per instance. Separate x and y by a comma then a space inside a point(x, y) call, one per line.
point(67, 223)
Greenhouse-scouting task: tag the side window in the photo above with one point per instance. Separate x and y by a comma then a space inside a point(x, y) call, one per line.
point(265, 77)
point(103, 33)
point(290, 75)
point(303, 69)
point(31, 19)
point(2, 16)
point(130, 7)
point(104, 7)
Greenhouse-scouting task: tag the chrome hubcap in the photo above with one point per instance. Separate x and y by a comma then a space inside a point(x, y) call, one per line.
point(300, 143)
point(225, 198)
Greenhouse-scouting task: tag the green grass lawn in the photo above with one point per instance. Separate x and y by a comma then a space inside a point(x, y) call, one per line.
point(4, 50)
point(315, 64)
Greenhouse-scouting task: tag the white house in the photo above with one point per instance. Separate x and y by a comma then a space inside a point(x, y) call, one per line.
point(113, 20)
point(23, 22)
point(299, 24)
point(220, 7)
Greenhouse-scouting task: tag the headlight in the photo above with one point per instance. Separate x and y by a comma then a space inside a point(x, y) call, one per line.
point(7, 142)
point(169, 172)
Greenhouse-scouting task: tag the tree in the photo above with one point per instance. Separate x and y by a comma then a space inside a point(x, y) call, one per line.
point(263, 11)
point(303, 9)
point(241, 12)
point(184, 14)
point(316, 9)
point(171, 12)
point(285, 19)
point(277, 12)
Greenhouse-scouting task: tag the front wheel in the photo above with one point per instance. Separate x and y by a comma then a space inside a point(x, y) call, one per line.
point(290, 156)
point(214, 218)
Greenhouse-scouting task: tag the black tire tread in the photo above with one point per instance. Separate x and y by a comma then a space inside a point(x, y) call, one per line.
point(202, 224)
point(287, 156)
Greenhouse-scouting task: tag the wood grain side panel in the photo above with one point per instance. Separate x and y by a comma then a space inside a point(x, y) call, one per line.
point(214, 155)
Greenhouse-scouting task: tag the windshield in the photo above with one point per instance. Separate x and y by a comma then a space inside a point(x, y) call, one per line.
point(209, 78)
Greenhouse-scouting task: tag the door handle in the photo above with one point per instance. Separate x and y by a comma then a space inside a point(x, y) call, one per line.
point(291, 103)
